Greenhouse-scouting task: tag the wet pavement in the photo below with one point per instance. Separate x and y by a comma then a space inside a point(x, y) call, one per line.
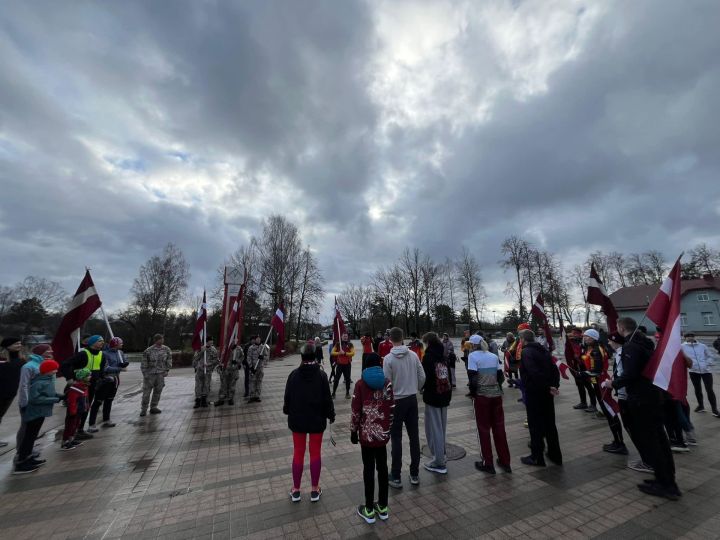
point(225, 473)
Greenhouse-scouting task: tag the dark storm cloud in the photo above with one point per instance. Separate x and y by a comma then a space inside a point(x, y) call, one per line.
point(108, 111)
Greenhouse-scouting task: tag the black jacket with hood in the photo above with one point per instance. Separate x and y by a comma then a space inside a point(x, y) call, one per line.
point(635, 356)
point(434, 354)
point(308, 402)
point(537, 370)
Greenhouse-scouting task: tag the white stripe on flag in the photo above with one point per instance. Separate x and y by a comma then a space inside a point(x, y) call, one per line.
point(280, 315)
point(592, 282)
point(667, 286)
point(667, 360)
point(81, 298)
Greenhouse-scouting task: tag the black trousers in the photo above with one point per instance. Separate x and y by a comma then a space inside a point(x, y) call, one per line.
point(405, 413)
point(344, 370)
point(107, 407)
point(375, 459)
point(613, 421)
point(246, 382)
point(5, 405)
point(32, 430)
point(92, 386)
point(696, 379)
point(582, 392)
point(651, 440)
point(671, 419)
point(628, 421)
point(541, 422)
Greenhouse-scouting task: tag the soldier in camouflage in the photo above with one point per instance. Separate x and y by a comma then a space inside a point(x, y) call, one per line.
point(229, 376)
point(257, 358)
point(156, 364)
point(204, 362)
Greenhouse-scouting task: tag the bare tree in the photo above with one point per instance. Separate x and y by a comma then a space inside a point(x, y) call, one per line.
point(411, 264)
point(470, 280)
point(705, 260)
point(354, 303)
point(385, 294)
point(160, 285)
point(7, 299)
point(515, 251)
point(619, 265)
point(310, 291)
point(50, 293)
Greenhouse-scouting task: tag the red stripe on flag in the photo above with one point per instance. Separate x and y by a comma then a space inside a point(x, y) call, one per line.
point(85, 302)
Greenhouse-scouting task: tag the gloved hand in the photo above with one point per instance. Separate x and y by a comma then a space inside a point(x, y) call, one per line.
point(252, 370)
point(354, 437)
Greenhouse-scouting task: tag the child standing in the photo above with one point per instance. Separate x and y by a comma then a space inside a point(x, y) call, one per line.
point(41, 398)
point(78, 396)
point(372, 411)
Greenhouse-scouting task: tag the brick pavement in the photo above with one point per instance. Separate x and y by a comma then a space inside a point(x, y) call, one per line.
point(225, 473)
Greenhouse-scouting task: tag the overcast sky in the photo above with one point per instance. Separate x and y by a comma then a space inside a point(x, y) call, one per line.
point(372, 125)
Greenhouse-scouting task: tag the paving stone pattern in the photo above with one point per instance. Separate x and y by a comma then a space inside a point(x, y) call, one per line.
point(224, 473)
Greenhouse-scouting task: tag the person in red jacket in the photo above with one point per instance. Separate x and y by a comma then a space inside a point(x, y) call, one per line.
point(385, 346)
point(372, 411)
point(78, 398)
point(367, 343)
point(343, 353)
point(416, 346)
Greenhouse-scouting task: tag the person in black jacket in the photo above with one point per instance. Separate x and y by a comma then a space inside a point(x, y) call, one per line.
point(308, 405)
point(644, 404)
point(437, 393)
point(10, 363)
point(541, 379)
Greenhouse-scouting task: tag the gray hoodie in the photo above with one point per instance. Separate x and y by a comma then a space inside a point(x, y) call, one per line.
point(403, 368)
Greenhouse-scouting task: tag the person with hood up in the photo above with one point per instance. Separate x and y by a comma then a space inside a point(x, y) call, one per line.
point(78, 402)
point(644, 405)
point(487, 406)
point(106, 386)
point(11, 362)
point(28, 372)
point(41, 398)
point(204, 363)
point(403, 368)
point(308, 406)
point(372, 412)
point(540, 378)
point(437, 393)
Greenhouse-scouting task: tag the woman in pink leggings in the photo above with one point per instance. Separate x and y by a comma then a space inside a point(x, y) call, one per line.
point(309, 406)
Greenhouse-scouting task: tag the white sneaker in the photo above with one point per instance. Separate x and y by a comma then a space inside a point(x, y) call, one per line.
point(92, 429)
point(435, 468)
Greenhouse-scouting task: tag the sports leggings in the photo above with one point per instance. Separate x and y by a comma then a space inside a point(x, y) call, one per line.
point(298, 462)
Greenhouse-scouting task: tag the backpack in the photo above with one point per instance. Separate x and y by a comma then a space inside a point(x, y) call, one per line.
point(442, 378)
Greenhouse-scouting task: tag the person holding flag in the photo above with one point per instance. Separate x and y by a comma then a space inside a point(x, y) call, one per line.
point(229, 375)
point(343, 353)
point(258, 354)
point(204, 363)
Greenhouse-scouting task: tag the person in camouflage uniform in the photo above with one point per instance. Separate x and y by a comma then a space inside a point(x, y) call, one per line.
point(156, 364)
point(229, 376)
point(204, 362)
point(257, 358)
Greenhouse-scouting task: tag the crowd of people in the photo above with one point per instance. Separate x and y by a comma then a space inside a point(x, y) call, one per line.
point(384, 402)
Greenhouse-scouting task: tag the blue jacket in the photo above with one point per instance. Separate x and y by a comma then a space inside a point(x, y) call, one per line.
point(28, 372)
point(42, 398)
point(112, 361)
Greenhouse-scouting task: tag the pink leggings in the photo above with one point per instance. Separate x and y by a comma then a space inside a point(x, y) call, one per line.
point(298, 462)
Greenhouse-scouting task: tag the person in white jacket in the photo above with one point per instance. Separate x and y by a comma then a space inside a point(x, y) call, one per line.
point(404, 370)
point(699, 354)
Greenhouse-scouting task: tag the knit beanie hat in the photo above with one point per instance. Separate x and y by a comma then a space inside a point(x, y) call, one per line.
point(82, 374)
point(116, 342)
point(5, 343)
point(92, 340)
point(47, 366)
point(523, 326)
point(40, 349)
point(371, 360)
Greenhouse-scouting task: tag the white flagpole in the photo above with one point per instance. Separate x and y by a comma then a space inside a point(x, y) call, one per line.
point(205, 346)
point(102, 310)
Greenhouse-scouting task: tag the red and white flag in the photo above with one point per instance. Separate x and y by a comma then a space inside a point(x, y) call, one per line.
point(666, 368)
point(235, 325)
point(562, 367)
point(608, 401)
point(538, 311)
point(199, 333)
point(338, 325)
point(278, 323)
point(597, 295)
point(85, 302)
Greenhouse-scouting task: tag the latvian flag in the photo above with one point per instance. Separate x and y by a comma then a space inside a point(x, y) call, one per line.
point(608, 401)
point(338, 325)
point(538, 311)
point(85, 302)
point(666, 368)
point(278, 323)
point(199, 333)
point(597, 295)
point(235, 324)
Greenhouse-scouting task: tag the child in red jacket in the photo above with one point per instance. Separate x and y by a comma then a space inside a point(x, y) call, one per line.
point(372, 412)
point(77, 405)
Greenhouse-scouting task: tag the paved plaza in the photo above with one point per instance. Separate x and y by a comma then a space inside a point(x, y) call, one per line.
point(225, 473)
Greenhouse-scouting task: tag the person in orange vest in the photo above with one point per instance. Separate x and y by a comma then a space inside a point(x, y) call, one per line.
point(416, 346)
point(343, 353)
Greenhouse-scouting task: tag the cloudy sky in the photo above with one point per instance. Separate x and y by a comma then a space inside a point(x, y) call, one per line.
point(373, 125)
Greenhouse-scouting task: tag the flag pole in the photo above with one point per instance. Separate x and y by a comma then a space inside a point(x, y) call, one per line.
point(102, 310)
point(205, 339)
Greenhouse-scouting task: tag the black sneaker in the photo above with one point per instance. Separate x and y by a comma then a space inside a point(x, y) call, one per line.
point(716, 413)
point(295, 496)
point(67, 446)
point(506, 468)
point(83, 436)
point(529, 460)
point(381, 511)
point(109, 424)
point(480, 466)
point(656, 490)
point(38, 462)
point(591, 409)
point(580, 406)
point(315, 495)
point(25, 467)
point(367, 515)
point(76, 443)
point(699, 408)
point(616, 448)
point(143, 413)
point(155, 410)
